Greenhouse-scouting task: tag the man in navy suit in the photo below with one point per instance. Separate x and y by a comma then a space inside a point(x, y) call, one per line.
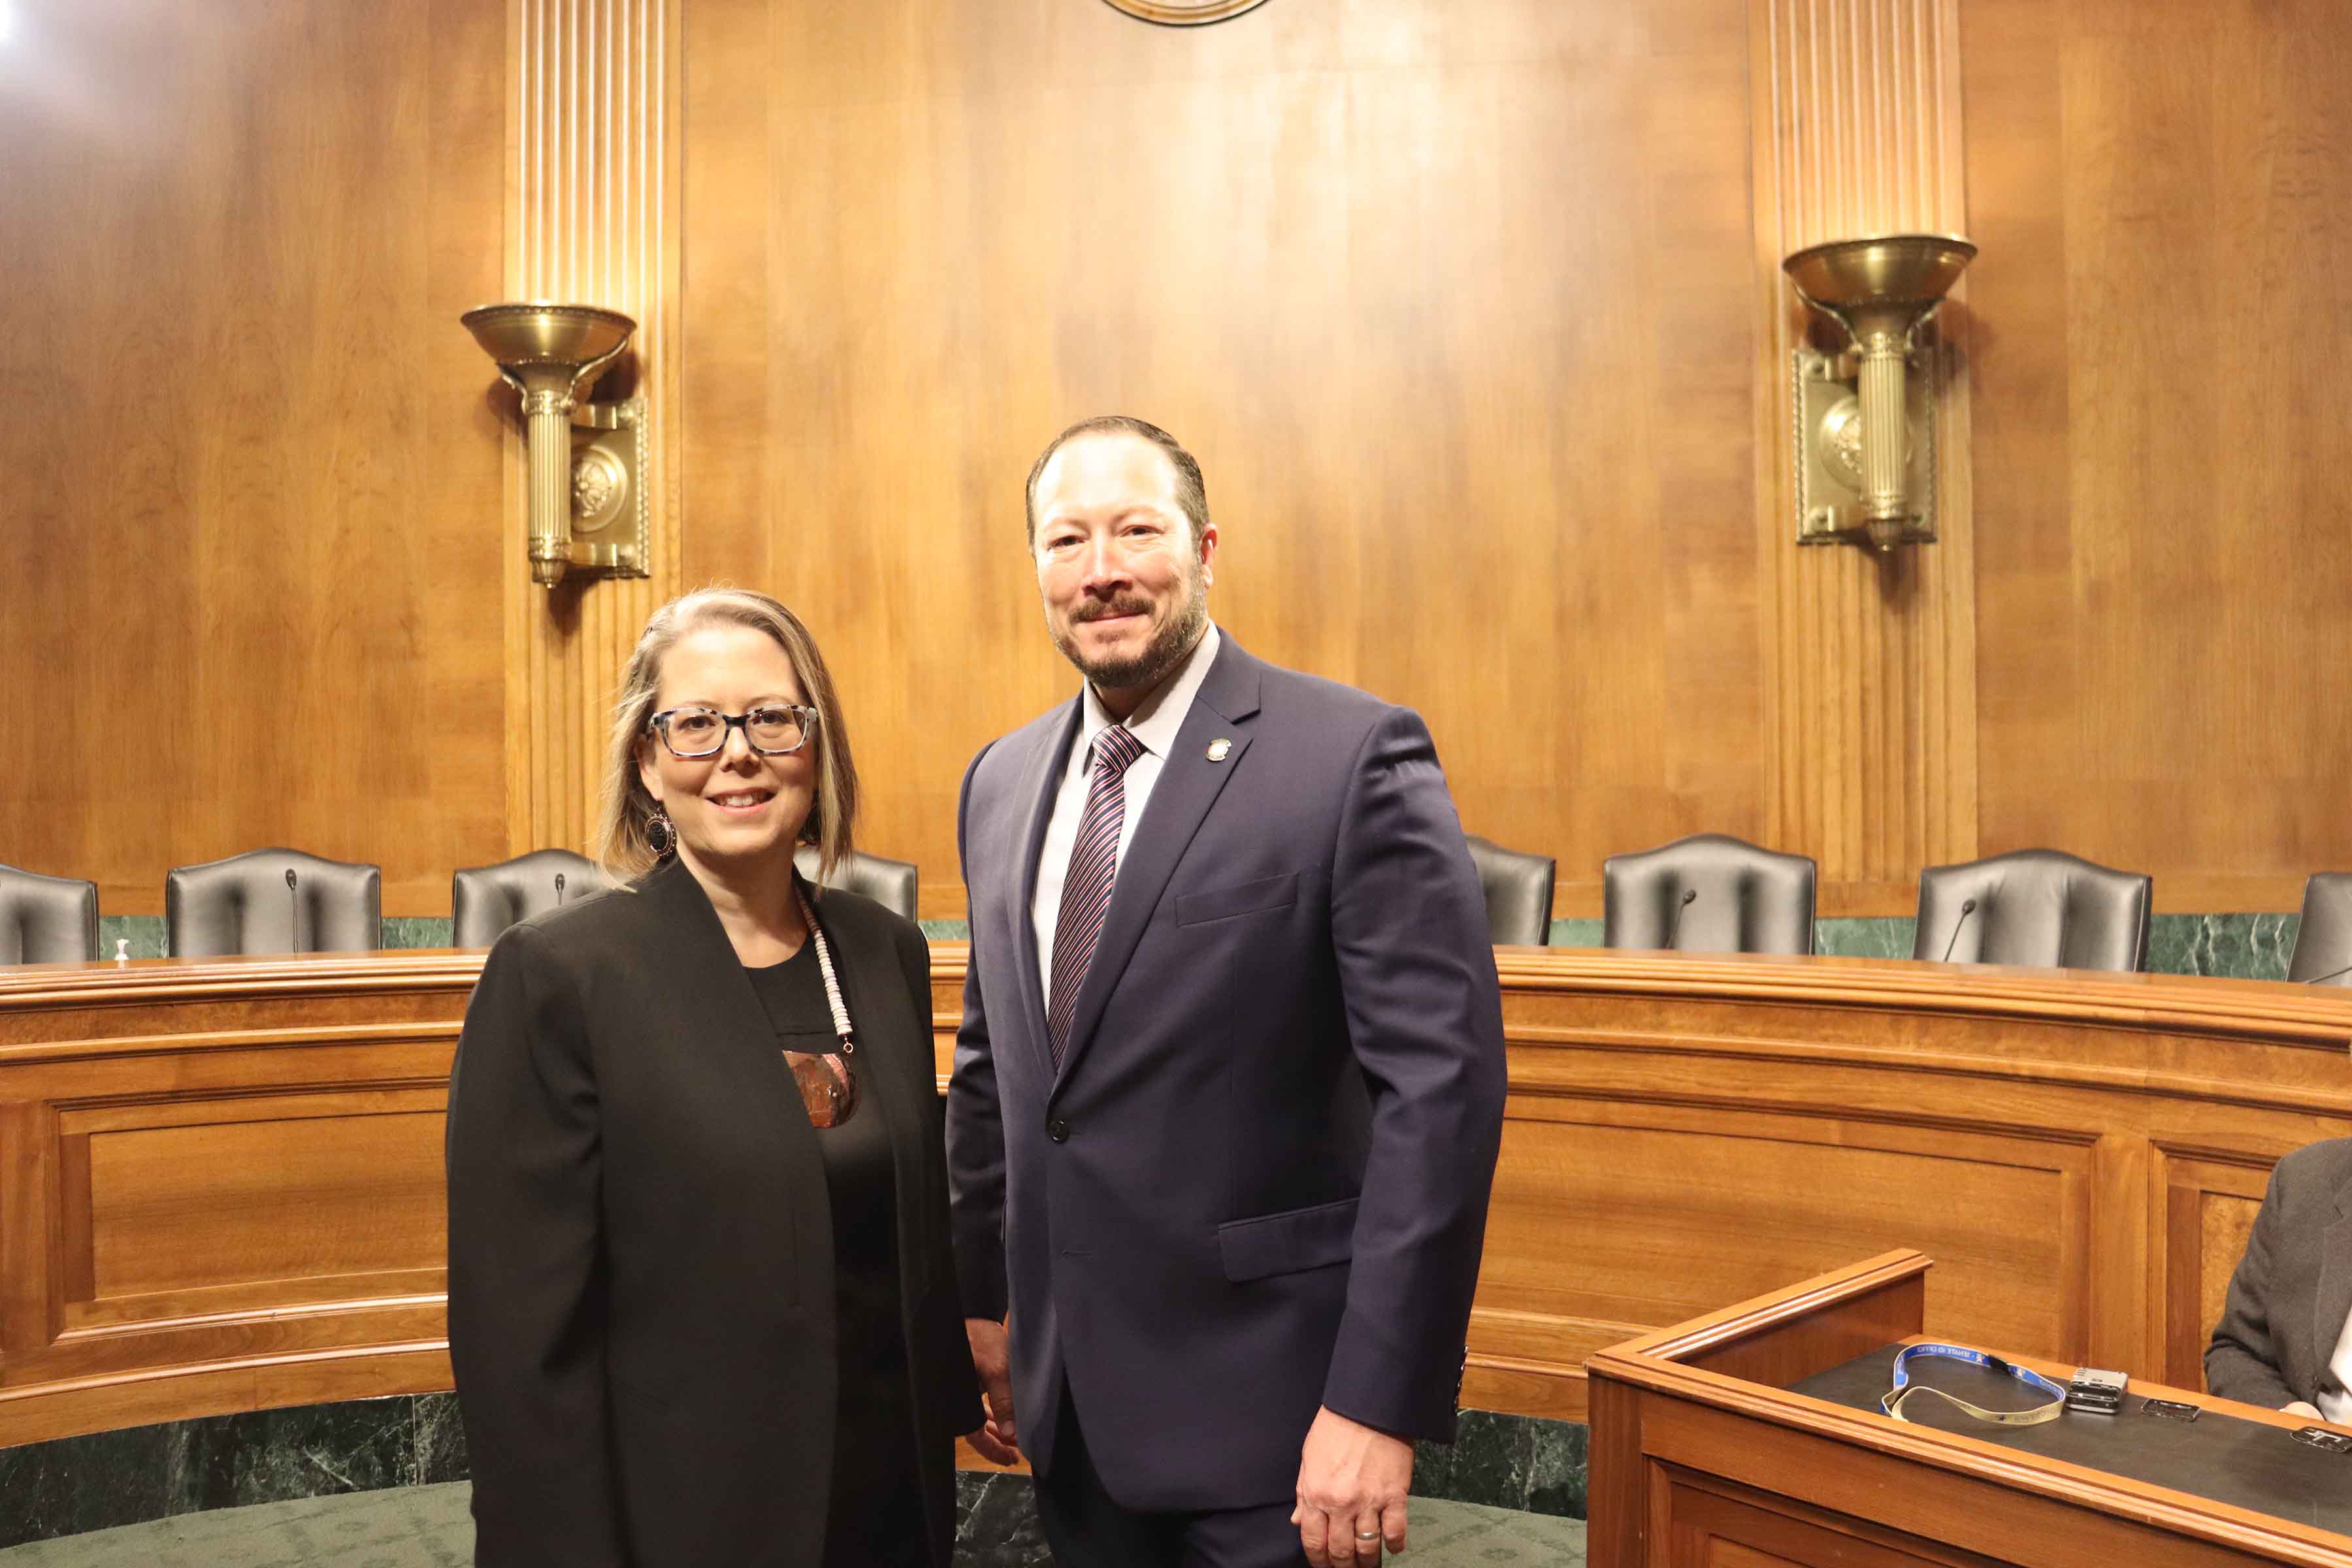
point(1228, 1090)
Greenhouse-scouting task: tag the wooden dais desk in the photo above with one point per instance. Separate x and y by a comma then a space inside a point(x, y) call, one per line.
point(221, 1188)
point(1746, 1438)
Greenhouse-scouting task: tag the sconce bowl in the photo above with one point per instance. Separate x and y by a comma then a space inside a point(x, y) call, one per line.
point(1886, 283)
point(544, 347)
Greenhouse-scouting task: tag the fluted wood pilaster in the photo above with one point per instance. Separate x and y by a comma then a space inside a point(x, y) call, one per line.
point(1871, 661)
point(592, 219)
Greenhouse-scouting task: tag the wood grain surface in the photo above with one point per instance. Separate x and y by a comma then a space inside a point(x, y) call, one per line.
point(252, 481)
point(219, 1180)
point(1450, 299)
point(1470, 308)
point(1699, 1458)
point(2162, 424)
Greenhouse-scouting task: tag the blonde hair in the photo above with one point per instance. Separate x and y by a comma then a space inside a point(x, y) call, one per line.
point(626, 805)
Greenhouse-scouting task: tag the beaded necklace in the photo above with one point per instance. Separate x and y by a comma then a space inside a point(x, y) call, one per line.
point(825, 967)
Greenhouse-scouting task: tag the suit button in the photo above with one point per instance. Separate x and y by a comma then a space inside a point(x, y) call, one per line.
point(1058, 1131)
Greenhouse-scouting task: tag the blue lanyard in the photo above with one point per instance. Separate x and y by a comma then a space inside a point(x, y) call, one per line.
point(1892, 1401)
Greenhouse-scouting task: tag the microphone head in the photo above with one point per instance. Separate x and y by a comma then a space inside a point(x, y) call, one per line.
point(290, 879)
point(1689, 893)
point(558, 882)
point(1968, 906)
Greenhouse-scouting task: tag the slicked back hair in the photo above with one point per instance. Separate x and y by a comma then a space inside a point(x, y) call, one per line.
point(1191, 495)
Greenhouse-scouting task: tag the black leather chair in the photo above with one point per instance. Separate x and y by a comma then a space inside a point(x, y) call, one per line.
point(1518, 892)
point(2039, 908)
point(47, 920)
point(1708, 893)
point(891, 883)
point(2322, 943)
point(486, 900)
point(245, 904)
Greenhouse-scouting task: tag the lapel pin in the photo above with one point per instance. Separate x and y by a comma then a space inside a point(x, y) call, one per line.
point(1218, 748)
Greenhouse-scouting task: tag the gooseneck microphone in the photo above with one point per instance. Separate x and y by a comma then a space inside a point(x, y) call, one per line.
point(559, 889)
point(1675, 927)
point(2324, 979)
point(294, 908)
point(1967, 907)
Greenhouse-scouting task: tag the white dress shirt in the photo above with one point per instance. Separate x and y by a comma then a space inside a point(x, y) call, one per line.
point(2336, 1404)
point(1153, 725)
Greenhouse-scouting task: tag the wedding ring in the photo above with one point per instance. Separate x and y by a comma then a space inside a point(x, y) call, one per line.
point(1368, 1535)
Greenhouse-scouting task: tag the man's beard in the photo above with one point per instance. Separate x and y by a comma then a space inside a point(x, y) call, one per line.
point(1160, 655)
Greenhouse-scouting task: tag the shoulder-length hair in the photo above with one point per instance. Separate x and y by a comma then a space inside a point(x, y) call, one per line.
point(626, 806)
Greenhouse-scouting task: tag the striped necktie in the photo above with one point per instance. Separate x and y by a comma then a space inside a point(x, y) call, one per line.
point(1086, 889)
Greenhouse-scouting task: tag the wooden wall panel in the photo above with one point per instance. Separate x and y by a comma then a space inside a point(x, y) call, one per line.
point(243, 439)
point(1449, 296)
point(2164, 425)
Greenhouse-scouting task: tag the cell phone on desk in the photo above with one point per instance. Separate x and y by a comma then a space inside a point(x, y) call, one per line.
point(2321, 1437)
point(2095, 1393)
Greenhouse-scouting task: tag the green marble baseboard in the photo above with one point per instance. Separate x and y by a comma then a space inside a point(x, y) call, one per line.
point(76, 1485)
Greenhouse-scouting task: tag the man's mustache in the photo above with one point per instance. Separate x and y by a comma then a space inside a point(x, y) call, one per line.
point(1110, 608)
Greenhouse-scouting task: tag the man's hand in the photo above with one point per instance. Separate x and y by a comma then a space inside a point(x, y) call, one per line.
point(997, 1440)
point(1352, 1484)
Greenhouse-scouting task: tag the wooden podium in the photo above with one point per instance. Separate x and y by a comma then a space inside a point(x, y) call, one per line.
point(1704, 1455)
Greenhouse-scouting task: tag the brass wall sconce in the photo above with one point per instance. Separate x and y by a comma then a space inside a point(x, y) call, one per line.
point(1866, 428)
point(588, 507)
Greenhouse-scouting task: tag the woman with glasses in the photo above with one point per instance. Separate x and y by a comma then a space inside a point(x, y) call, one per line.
point(702, 1306)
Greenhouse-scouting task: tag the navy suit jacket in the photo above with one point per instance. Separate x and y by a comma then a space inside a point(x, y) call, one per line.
point(1258, 1182)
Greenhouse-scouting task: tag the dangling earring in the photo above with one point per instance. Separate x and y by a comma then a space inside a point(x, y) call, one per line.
point(660, 837)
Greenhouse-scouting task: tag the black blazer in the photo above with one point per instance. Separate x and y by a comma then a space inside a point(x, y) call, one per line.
point(2294, 1287)
point(641, 1291)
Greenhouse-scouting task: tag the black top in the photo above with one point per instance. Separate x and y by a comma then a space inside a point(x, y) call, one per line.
point(870, 1520)
point(2218, 1455)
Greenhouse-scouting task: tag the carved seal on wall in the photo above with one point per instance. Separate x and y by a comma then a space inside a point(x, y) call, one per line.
point(1184, 12)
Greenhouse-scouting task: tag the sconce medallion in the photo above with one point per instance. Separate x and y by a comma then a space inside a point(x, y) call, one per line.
point(1183, 12)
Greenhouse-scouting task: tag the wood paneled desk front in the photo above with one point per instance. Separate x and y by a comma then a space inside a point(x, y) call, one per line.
point(220, 1180)
point(1750, 1436)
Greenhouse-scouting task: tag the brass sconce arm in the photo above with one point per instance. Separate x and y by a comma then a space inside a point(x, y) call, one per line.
point(551, 353)
point(1882, 291)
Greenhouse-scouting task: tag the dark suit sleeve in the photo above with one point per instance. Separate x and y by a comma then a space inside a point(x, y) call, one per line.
point(2242, 1361)
point(1424, 1017)
point(975, 1127)
point(526, 1313)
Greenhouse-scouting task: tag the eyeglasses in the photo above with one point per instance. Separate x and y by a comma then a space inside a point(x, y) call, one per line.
point(692, 733)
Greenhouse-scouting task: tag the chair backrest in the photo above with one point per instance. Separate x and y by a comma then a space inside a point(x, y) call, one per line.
point(1708, 893)
point(245, 904)
point(2043, 909)
point(486, 900)
point(2322, 943)
point(47, 920)
point(1518, 886)
point(891, 883)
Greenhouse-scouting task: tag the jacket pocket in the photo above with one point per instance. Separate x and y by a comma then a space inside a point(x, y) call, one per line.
point(1289, 1242)
point(1241, 899)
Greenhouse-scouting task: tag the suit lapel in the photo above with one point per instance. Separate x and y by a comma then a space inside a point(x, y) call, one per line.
point(1187, 787)
point(2335, 1296)
point(1041, 781)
